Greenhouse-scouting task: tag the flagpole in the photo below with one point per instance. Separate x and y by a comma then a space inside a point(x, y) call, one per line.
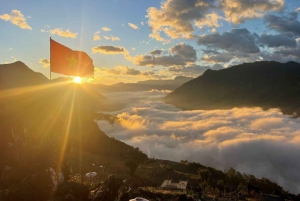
point(50, 58)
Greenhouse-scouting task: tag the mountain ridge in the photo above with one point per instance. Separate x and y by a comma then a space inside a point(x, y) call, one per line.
point(265, 84)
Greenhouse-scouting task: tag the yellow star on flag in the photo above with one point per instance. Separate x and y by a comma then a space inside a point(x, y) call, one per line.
point(73, 62)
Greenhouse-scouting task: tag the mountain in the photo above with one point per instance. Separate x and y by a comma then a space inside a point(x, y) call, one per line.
point(49, 141)
point(18, 74)
point(265, 84)
point(46, 126)
point(145, 85)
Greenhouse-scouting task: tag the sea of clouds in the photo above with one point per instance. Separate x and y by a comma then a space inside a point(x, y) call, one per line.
point(253, 141)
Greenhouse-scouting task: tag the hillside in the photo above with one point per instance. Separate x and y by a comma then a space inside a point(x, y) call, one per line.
point(265, 84)
point(48, 132)
point(18, 74)
point(145, 85)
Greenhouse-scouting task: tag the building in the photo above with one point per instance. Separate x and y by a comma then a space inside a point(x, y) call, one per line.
point(180, 185)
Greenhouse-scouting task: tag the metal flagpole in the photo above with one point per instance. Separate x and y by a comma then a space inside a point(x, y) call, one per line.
point(50, 58)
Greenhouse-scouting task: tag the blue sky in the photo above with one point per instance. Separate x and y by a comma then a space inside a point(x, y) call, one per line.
point(188, 36)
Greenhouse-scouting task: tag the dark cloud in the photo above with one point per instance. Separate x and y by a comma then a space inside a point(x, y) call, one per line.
point(284, 24)
point(156, 52)
point(280, 40)
point(107, 49)
point(218, 58)
point(178, 55)
point(237, 11)
point(186, 51)
point(194, 70)
point(236, 40)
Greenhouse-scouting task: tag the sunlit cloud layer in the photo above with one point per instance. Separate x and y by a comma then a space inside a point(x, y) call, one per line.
point(16, 18)
point(67, 33)
point(263, 143)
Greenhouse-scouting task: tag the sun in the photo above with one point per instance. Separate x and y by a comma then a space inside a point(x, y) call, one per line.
point(77, 80)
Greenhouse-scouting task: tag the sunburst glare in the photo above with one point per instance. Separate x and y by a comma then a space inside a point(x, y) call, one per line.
point(77, 80)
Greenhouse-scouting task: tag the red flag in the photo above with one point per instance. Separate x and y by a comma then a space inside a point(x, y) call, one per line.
point(65, 61)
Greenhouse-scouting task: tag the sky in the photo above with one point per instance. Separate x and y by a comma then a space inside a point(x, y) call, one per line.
point(251, 140)
point(132, 40)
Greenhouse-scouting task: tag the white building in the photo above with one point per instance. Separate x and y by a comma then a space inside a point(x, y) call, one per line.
point(168, 184)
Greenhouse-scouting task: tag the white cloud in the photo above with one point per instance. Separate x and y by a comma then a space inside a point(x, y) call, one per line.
point(67, 33)
point(16, 18)
point(133, 26)
point(106, 29)
point(263, 143)
point(45, 62)
point(125, 70)
point(112, 38)
point(96, 36)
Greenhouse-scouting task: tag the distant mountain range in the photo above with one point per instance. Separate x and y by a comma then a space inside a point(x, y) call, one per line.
point(265, 84)
point(145, 85)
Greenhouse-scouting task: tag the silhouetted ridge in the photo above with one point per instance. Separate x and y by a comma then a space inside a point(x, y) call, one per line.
point(18, 74)
point(264, 84)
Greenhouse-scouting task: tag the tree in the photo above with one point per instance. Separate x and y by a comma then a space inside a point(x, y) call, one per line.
point(204, 174)
point(242, 188)
point(132, 165)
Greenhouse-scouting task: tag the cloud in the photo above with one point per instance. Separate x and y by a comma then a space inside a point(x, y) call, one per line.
point(166, 60)
point(133, 26)
point(45, 62)
point(156, 52)
point(106, 29)
point(210, 20)
point(176, 18)
point(218, 58)
point(236, 40)
point(107, 49)
point(180, 54)
point(280, 40)
point(60, 32)
point(186, 51)
point(288, 24)
point(112, 38)
point(237, 11)
point(297, 10)
point(96, 36)
point(16, 18)
point(192, 70)
point(125, 70)
point(254, 141)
